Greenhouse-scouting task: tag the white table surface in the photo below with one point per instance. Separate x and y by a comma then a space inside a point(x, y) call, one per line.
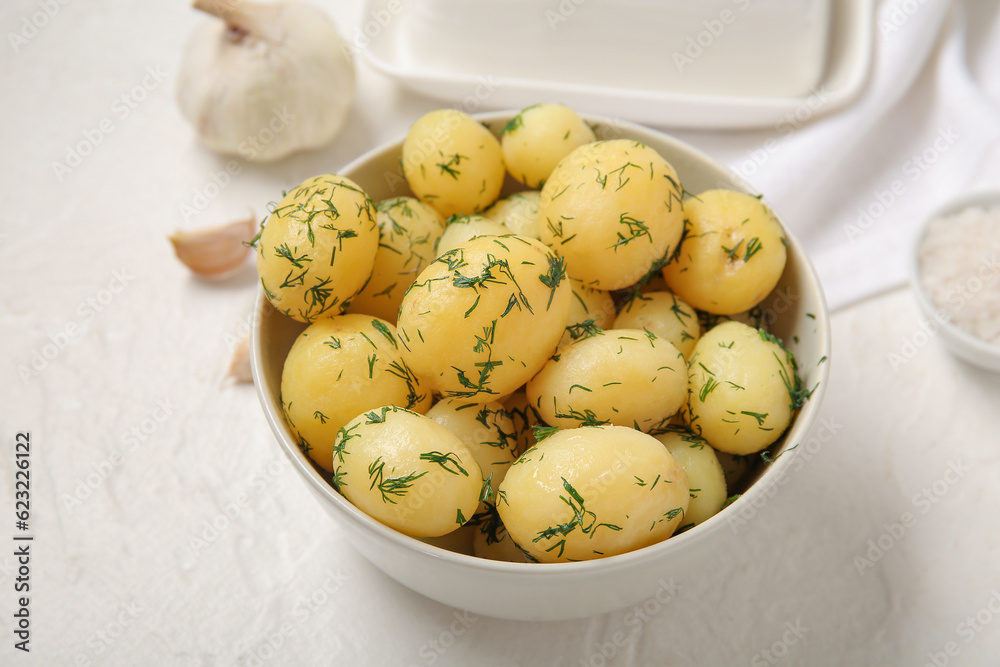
point(169, 529)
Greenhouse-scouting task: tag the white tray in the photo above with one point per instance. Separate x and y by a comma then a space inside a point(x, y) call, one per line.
point(389, 26)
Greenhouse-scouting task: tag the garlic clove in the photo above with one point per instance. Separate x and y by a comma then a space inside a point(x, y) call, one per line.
point(266, 81)
point(239, 365)
point(214, 252)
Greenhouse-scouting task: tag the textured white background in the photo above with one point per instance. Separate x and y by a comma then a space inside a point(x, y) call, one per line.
point(189, 540)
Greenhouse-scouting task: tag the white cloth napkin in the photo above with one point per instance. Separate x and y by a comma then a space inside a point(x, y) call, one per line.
point(853, 185)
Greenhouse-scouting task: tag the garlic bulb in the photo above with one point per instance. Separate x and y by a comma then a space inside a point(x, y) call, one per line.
point(266, 81)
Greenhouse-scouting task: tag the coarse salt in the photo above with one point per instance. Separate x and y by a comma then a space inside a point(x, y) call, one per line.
point(959, 264)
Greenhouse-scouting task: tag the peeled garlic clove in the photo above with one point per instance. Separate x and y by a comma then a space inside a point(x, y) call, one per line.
point(267, 80)
point(217, 251)
point(239, 365)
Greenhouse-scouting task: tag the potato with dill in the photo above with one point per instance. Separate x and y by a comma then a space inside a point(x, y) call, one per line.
point(536, 139)
point(757, 317)
point(482, 318)
point(462, 228)
point(518, 212)
point(592, 492)
point(732, 256)
point(665, 315)
point(407, 471)
point(338, 367)
point(408, 234)
point(742, 388)
point(625, 377)
point(487, 430)
point(613, 210)
point(592, 309)
point(705, 475)
point(452, 162)
point(317, 248)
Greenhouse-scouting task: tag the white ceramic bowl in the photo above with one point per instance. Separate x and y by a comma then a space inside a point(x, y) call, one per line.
point(529, 591)
point(960, 342)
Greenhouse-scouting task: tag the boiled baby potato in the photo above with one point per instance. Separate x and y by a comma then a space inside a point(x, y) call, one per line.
point(756, 317)
point(537, 138)
point(613, 210)
point(317, 248)
point(482, 318)
point(337, 368)
point(742, 388)
point(626, 377)
point(732, 256)
point(592, 309)
point(408, 231)
point(591, 492)
point(706, 479)
point(491, 540)
point(452, 162)
point(489, 433)
point(517, 212)
point(462, 228)
point(665, 315)
point(407, 471)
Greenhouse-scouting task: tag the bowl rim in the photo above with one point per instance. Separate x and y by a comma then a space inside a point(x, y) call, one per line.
point(776, 470)
point(973, 349)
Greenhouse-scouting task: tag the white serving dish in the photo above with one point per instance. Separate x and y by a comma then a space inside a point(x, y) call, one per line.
point(524, 591)
point(627, 58)
point(959, 342)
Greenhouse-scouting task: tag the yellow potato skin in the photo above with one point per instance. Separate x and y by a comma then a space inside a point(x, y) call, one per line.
point(407, 471)
point(665, 315)
point(462, 228)
point(593, 492)
point(739, 388)
point(756, 317)
point(335, 369)
point(732, 255)
point(452, 162)
point(517, 212)
point(591, 308)
point(705, 475)
point(463, 326)
point(487, 430)
point(625, 377)
point(408, 234)
point(535, 140)
point(317, 248)
point(613, 209)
